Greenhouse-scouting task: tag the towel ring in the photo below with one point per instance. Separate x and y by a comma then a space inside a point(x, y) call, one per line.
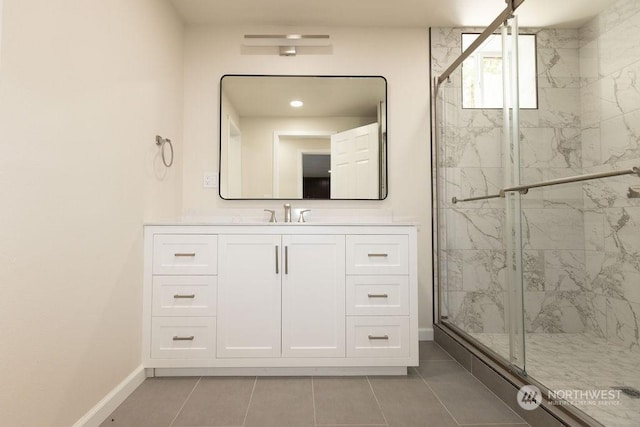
point(160, 141)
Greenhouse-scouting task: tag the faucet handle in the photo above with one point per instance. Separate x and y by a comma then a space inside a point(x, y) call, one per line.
point(273, 215)
point(287, 212)
point(302, 212)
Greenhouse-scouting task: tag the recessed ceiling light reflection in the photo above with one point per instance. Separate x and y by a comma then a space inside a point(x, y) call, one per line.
point(296, 104)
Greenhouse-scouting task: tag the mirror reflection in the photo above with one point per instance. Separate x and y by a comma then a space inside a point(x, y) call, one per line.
point(303, 137)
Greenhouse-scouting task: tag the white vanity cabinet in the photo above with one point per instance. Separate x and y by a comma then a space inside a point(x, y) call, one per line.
point(313, 298)
point(378, 321)
point(250, 296)
point(283, 299)
point(182, 301)
point(281, 295)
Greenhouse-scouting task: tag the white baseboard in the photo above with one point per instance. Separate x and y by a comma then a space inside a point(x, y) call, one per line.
point(112, 400)
point(425, 334)
point(282, 372)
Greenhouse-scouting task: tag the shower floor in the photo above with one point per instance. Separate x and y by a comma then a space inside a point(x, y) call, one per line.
point(580, 362)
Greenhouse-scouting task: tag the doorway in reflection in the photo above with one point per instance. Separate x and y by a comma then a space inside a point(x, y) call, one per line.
point(316, 176)
point(299, 156)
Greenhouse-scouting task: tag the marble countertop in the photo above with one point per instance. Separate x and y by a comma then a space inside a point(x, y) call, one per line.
point(315, 217)
point(214, 222)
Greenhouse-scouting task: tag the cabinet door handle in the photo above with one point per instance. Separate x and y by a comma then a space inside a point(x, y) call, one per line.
point(286, 260)
point(378, 255)
point(189, 338)
point(176, 296)
point(277, 262)
point(378, 337)
point(378, 295)
point(185, 254)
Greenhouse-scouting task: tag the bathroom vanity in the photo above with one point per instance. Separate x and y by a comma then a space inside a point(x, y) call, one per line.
point(280, 299)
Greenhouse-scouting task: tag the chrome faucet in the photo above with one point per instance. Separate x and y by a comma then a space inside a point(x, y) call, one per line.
point(273, 215)
point(287, 212)
point(302, 212)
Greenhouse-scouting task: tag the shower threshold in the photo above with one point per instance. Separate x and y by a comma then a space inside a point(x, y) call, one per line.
point(578, 365)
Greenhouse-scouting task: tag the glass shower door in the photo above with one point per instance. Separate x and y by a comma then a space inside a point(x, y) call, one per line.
point(479, 255)
point(546, 280)
point(513, 203)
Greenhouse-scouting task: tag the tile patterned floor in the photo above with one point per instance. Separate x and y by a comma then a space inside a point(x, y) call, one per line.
point(566, 361)
point(437, 393)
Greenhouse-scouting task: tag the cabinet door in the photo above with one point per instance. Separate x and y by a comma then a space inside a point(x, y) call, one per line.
point(313, 296)
point(249, 296)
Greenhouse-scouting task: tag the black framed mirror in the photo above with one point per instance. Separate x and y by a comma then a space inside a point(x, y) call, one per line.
point(303, 137)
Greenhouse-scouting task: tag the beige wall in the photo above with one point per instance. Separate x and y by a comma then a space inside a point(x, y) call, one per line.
point(84, 88)
point(400, 55)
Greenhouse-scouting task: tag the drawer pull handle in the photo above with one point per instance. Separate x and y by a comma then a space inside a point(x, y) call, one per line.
point(176, 296)
point(378, 295)
point(378, 255)
point(189, 338)
point(378, 337)
point(185, 254)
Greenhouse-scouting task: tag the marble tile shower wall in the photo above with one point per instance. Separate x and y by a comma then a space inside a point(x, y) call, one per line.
point(610, 99)
point(556, 290)
point(570, 285)
point(473, 261)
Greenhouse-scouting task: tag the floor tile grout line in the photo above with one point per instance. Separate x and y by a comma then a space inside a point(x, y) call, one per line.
point(487, 387)
point(436, 395)
point(437, 360)
point(347, 425)
point(377, 402)
point(492, 392)
point(185, 402)
point(313, 401)
point(443, 349)
point(475, 378)
point(249, 403)
point(494, 424)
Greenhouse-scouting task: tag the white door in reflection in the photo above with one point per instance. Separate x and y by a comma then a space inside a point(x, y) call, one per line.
point(354, 163)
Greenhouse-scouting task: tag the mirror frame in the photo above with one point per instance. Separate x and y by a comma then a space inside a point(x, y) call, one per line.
point(383, 162)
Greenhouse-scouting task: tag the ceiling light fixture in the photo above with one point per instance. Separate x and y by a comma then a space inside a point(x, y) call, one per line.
point(296, 103)
point(288, 43)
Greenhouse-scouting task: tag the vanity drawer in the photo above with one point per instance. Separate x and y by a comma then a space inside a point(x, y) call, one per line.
point(183, 337)
point(378, 336)
point(184, 295)
point(185, 254)
point(377, 254)
point(378, 295)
